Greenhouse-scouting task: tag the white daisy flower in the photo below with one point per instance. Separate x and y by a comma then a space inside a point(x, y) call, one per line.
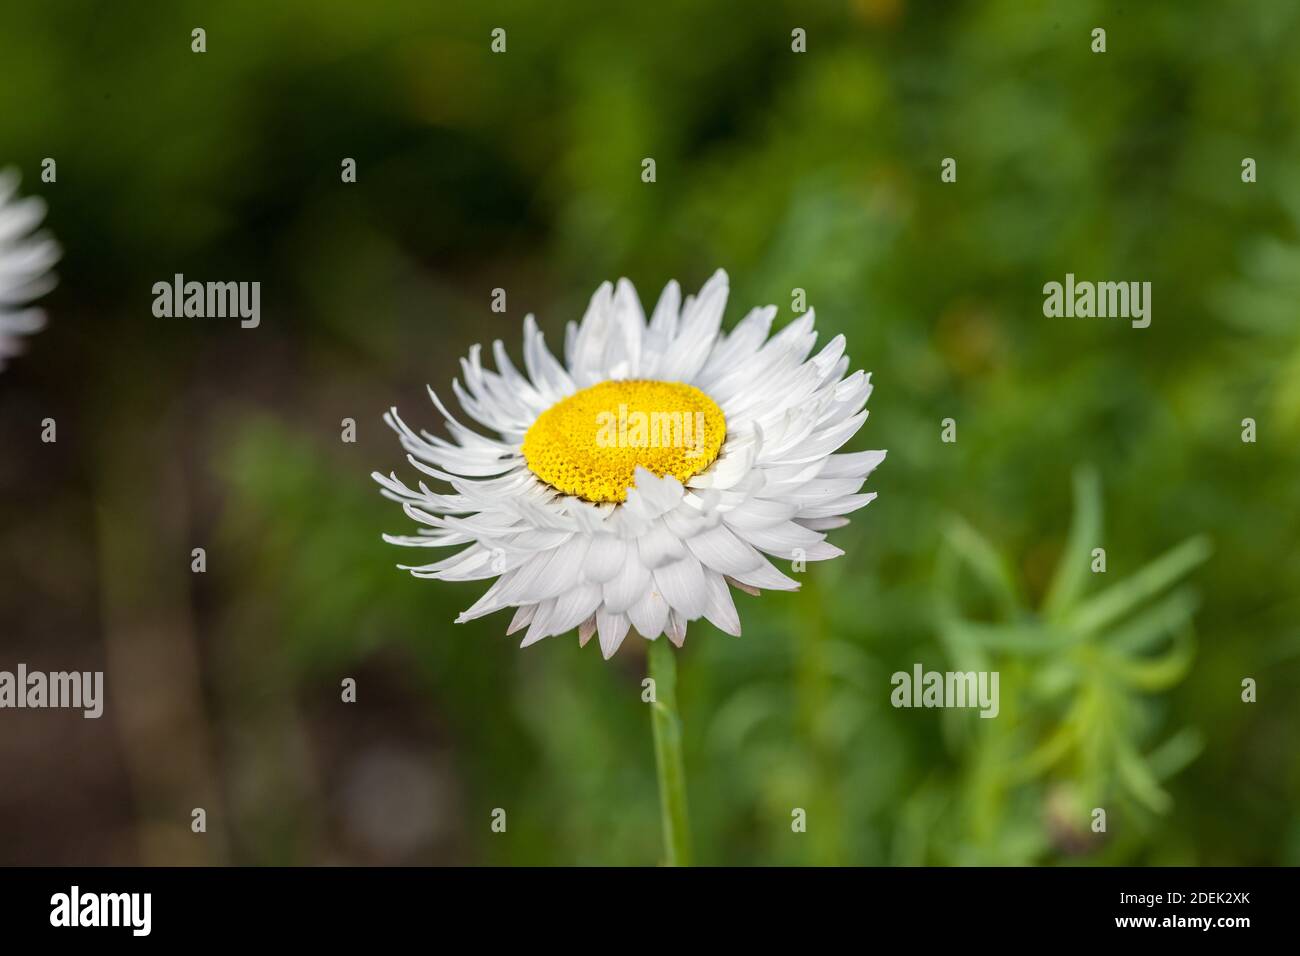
point(25, 263)
point(632, 486)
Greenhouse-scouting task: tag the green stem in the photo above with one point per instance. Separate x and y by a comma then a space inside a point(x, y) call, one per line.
point(668, 754)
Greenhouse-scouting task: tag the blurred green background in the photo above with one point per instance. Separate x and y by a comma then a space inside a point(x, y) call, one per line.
point(522, 170)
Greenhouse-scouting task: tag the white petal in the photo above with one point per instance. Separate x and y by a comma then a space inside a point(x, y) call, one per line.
point(720, 610)
point(676, 629)
point(839, 506)
point(784, 539)
point(653, 496)
point(575, 606)
point(541, 625)
point(701, 319)
point(613, 628)
point(523, 617)
point(720, 549)
point(628, 586)
point(760, 513)
point(604, 558)
point(852, 464)
point(658, 546)
point(683, 586)
point(767, 578)
point(649, 615)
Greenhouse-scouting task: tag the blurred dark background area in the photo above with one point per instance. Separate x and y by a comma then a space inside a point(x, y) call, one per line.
point(522, 170)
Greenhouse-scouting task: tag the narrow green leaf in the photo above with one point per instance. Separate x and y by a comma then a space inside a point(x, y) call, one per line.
point(1121, 598)
point(1022, 639)
point(1073, 568)
point(984, 561)
point(1176, 753)
point(1145, 630)
point(1140, 781)
point(1049, 752)
point(1159, 673)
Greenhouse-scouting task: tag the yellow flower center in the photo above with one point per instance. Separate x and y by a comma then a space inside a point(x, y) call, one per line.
point(591, 443)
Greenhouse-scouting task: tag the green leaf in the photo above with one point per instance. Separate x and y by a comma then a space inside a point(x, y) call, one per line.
point(1145, 630)
point(1072, 570)
point(1121, 598)
point(1049, 752)
point(1156, 674)
point(1140, 781)
point(1016, 638)
point(1176, 753)
point(984, 561)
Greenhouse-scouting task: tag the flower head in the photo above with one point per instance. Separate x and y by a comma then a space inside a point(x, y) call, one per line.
point(633, 485)
point(25, 263)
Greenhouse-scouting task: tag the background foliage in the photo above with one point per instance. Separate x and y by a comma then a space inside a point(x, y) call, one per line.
point(817, 171)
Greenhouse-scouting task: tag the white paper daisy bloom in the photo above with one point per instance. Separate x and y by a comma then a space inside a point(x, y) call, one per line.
point(632, 486)
point(25, 263)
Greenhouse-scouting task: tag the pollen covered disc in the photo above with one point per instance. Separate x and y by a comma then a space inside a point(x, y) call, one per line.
point(591, 443)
